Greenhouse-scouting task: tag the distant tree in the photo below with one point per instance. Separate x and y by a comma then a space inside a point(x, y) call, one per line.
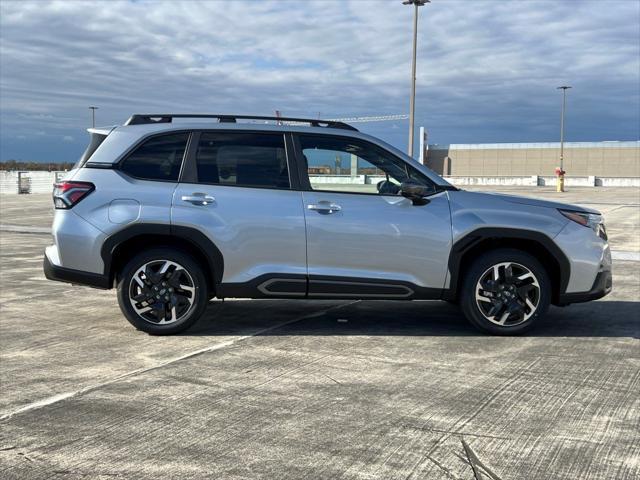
point(13, 165)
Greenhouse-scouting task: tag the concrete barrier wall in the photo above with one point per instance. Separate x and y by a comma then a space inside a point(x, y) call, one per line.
point(542, 181)
point(617, 182)
point(346, 179)
point(39, 182)
point(505, 180)
point(338, 179)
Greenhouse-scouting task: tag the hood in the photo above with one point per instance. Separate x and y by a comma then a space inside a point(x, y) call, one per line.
point(542, 203)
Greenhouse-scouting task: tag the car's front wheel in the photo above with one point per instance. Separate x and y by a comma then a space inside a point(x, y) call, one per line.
point(162, 291)
point(505, 292)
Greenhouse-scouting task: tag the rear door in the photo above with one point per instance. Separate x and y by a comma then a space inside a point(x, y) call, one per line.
point(363, 238)
point(237, 189)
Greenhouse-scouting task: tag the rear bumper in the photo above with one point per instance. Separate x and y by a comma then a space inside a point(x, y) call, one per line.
point(601, 286)
point(67, 275)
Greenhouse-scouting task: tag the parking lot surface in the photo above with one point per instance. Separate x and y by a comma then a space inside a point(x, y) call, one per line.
point(315, 389)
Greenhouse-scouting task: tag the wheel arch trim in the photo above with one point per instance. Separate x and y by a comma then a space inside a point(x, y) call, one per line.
point(472, 239)
point(192, 236)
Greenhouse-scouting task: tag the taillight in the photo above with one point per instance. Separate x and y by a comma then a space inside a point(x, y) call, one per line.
point(67, 194)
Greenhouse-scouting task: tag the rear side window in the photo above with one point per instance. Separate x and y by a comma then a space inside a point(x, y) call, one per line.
point(94, 142)
point(159, 158)
point(242, 159)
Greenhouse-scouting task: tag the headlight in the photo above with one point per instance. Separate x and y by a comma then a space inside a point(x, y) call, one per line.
point(594, 221)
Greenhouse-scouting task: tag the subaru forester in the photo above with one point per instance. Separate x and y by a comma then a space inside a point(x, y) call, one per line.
point(174, 210)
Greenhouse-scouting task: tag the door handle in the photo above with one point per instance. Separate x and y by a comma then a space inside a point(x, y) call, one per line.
point(324, 207)
point(198, 198)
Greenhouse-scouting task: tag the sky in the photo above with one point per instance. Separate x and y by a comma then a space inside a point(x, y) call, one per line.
point(487, 70)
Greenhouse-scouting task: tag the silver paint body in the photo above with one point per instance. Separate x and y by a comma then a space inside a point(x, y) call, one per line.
point(264, 231)
point(381, 237)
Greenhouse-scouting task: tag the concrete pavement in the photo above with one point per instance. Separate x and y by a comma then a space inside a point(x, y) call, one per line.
point(287, 389)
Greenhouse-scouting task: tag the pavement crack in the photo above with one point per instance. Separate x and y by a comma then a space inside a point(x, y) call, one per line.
point(87, 474)
point(476, 464)
point(25, 456)
point(451, 432)
point(332, 379)
point(438, 464)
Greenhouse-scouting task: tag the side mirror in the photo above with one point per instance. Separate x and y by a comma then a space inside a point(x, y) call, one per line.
point(416, 192)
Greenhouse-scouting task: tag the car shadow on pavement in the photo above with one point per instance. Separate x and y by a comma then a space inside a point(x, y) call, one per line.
point(428, 318)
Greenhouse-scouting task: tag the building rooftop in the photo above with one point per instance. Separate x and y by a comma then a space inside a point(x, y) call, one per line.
point(493, 146)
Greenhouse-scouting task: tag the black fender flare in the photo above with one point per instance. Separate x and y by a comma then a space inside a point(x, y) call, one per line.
point(193, 236)
point(473, 238)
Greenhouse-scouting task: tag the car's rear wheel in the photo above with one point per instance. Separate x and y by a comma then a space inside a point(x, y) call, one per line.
point(505, 292)
point(162, 291)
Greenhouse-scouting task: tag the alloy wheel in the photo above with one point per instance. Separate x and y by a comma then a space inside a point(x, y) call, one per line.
point(162, 292)
point(507, 294)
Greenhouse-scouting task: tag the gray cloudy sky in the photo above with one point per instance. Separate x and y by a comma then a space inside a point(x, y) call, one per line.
point(487, 70)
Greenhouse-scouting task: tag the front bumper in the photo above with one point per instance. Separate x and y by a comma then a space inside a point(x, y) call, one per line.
point(601, 286)
point(61, 274)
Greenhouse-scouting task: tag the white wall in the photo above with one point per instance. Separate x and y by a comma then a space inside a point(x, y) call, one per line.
point(527, 180)
point(548, 181)
point(41, 182)
point(337, 179)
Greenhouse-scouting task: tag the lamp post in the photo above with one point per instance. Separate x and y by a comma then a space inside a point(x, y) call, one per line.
point(560, 181)
point(412, 102)
point(93, 116)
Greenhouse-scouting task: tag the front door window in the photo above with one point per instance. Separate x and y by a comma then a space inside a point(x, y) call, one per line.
point(352, 166)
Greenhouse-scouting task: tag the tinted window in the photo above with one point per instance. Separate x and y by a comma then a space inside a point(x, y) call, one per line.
point(159, 158)
point(242, 159)
point(349, 165)
point(94, 142)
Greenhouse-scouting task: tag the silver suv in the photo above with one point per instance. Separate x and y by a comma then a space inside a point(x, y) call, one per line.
point(174, 210)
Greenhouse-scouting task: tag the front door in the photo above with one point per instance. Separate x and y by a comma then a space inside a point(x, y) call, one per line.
point(364, 239)
point(237, 190)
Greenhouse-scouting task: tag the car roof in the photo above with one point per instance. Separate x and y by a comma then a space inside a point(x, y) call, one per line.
point(151, 128)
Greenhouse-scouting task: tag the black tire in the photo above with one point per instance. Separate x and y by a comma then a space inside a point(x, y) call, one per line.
point(507, 295)
point(187, 306)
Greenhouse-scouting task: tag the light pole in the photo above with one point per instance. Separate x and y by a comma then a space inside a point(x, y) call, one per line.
point(93, 116)
point(560, 182)
point(412, 102)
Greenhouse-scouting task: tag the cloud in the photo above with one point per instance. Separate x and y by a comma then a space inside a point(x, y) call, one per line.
point(67, 138)
point(485, 74)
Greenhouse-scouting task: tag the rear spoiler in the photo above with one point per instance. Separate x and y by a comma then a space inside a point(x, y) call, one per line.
point(101, 130)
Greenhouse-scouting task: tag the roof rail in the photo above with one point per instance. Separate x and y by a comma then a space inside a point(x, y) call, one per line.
point(140, 119)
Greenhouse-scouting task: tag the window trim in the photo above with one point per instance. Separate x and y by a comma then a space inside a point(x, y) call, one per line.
point(304, 174)
point(119, 163)
point(190, 168)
